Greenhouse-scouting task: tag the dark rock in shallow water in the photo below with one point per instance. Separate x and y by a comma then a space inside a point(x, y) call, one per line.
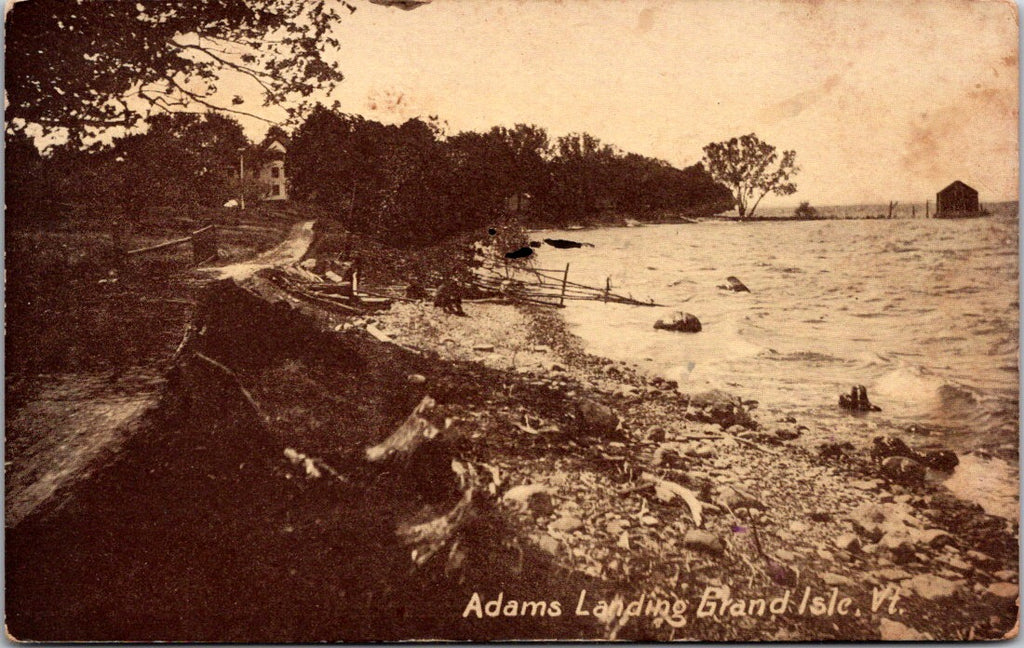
point(857, 400)
point(903, 470)
point(734, 284)
point(683, 322)
point(943, 460)
point(565, 244)
point(883, 447)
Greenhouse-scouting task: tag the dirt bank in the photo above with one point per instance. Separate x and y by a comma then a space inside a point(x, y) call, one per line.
point(90, 333)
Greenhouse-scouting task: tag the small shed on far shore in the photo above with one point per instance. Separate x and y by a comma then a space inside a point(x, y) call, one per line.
point(957, 198)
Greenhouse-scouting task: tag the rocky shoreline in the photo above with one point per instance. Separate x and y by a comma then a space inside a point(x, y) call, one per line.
point(781, 510)
point(304, 479)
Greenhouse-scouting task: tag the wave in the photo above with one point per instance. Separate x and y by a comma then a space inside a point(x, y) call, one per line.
point(927, 394)
point(803, 356)
point(873, 359)
point(910, 384)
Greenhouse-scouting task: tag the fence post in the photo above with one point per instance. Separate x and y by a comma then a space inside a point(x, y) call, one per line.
point(607, 288)
point(565, 279)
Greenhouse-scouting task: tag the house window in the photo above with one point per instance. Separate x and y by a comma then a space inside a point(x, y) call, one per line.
point(275, 172)
point(275, 190)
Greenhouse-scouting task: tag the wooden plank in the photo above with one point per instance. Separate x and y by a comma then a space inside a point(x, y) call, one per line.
point(378, 334)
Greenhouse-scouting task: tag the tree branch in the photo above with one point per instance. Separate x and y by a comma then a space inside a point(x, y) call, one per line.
point(254, 74)
point(202, 100)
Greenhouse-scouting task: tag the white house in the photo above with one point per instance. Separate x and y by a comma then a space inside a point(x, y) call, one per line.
point(272, 172)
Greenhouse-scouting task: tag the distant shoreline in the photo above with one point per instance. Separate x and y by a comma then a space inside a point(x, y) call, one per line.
point(625, 222)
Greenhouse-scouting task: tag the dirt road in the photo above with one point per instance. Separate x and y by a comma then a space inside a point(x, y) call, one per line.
point(288, 251)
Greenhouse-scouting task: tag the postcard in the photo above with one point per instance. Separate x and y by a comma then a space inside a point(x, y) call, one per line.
point(387, 320)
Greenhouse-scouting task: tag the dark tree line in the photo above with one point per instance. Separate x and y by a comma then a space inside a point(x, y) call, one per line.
point(414, 185)
point(408, 183)
point(183, 163)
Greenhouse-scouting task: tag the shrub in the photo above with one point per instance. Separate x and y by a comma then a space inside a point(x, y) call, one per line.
point(804, 210)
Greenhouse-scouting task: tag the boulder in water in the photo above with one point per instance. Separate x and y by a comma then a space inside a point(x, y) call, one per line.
point(903, 470)
point(734, 284)
point(857, 400)
point(883, 447)
point(683, 322)
point(942, 460)
point(565, 244)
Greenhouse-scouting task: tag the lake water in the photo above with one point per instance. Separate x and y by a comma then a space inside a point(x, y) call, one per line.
point(922, 312)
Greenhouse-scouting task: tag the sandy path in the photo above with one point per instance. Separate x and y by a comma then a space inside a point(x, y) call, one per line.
point(287, 251)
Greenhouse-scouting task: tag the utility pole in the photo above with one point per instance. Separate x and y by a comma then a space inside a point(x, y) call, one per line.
point(241, 178)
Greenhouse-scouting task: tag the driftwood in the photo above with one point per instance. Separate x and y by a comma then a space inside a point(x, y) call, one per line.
point(719, 437)
point(190, 332)
point(160, 246)
point(430, 537)
point(314, 466)
point(409, 436)
point(685, 494)
point(378, 334)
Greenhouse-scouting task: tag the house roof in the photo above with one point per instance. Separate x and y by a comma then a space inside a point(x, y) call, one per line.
point(956, 185)
point(276, 145)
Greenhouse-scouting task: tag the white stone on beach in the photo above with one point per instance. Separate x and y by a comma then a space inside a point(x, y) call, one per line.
point(566, 523)
point(703, 541)
point(1003, 590)
point(848, 542)
point(521, 495)
point(931, 587)
point(836, 580)
point(896, 631)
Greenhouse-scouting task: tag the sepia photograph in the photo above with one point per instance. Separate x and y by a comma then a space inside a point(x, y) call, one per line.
point(361, 321)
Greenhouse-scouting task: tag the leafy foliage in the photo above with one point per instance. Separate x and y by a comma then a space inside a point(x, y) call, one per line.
point(745, 165)
point(182, 162)
point(87, 65)
point(412, 185)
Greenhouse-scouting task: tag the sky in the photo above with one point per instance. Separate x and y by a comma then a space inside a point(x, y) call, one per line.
point(881, 100)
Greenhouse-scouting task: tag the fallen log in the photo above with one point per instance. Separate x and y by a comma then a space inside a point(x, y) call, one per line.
point(167, 244)
point(314, 466)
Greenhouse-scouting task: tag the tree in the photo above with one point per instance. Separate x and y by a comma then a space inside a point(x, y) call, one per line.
point(745, 166)
point(182, 160)
point(87, 65)
point(804, 210)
